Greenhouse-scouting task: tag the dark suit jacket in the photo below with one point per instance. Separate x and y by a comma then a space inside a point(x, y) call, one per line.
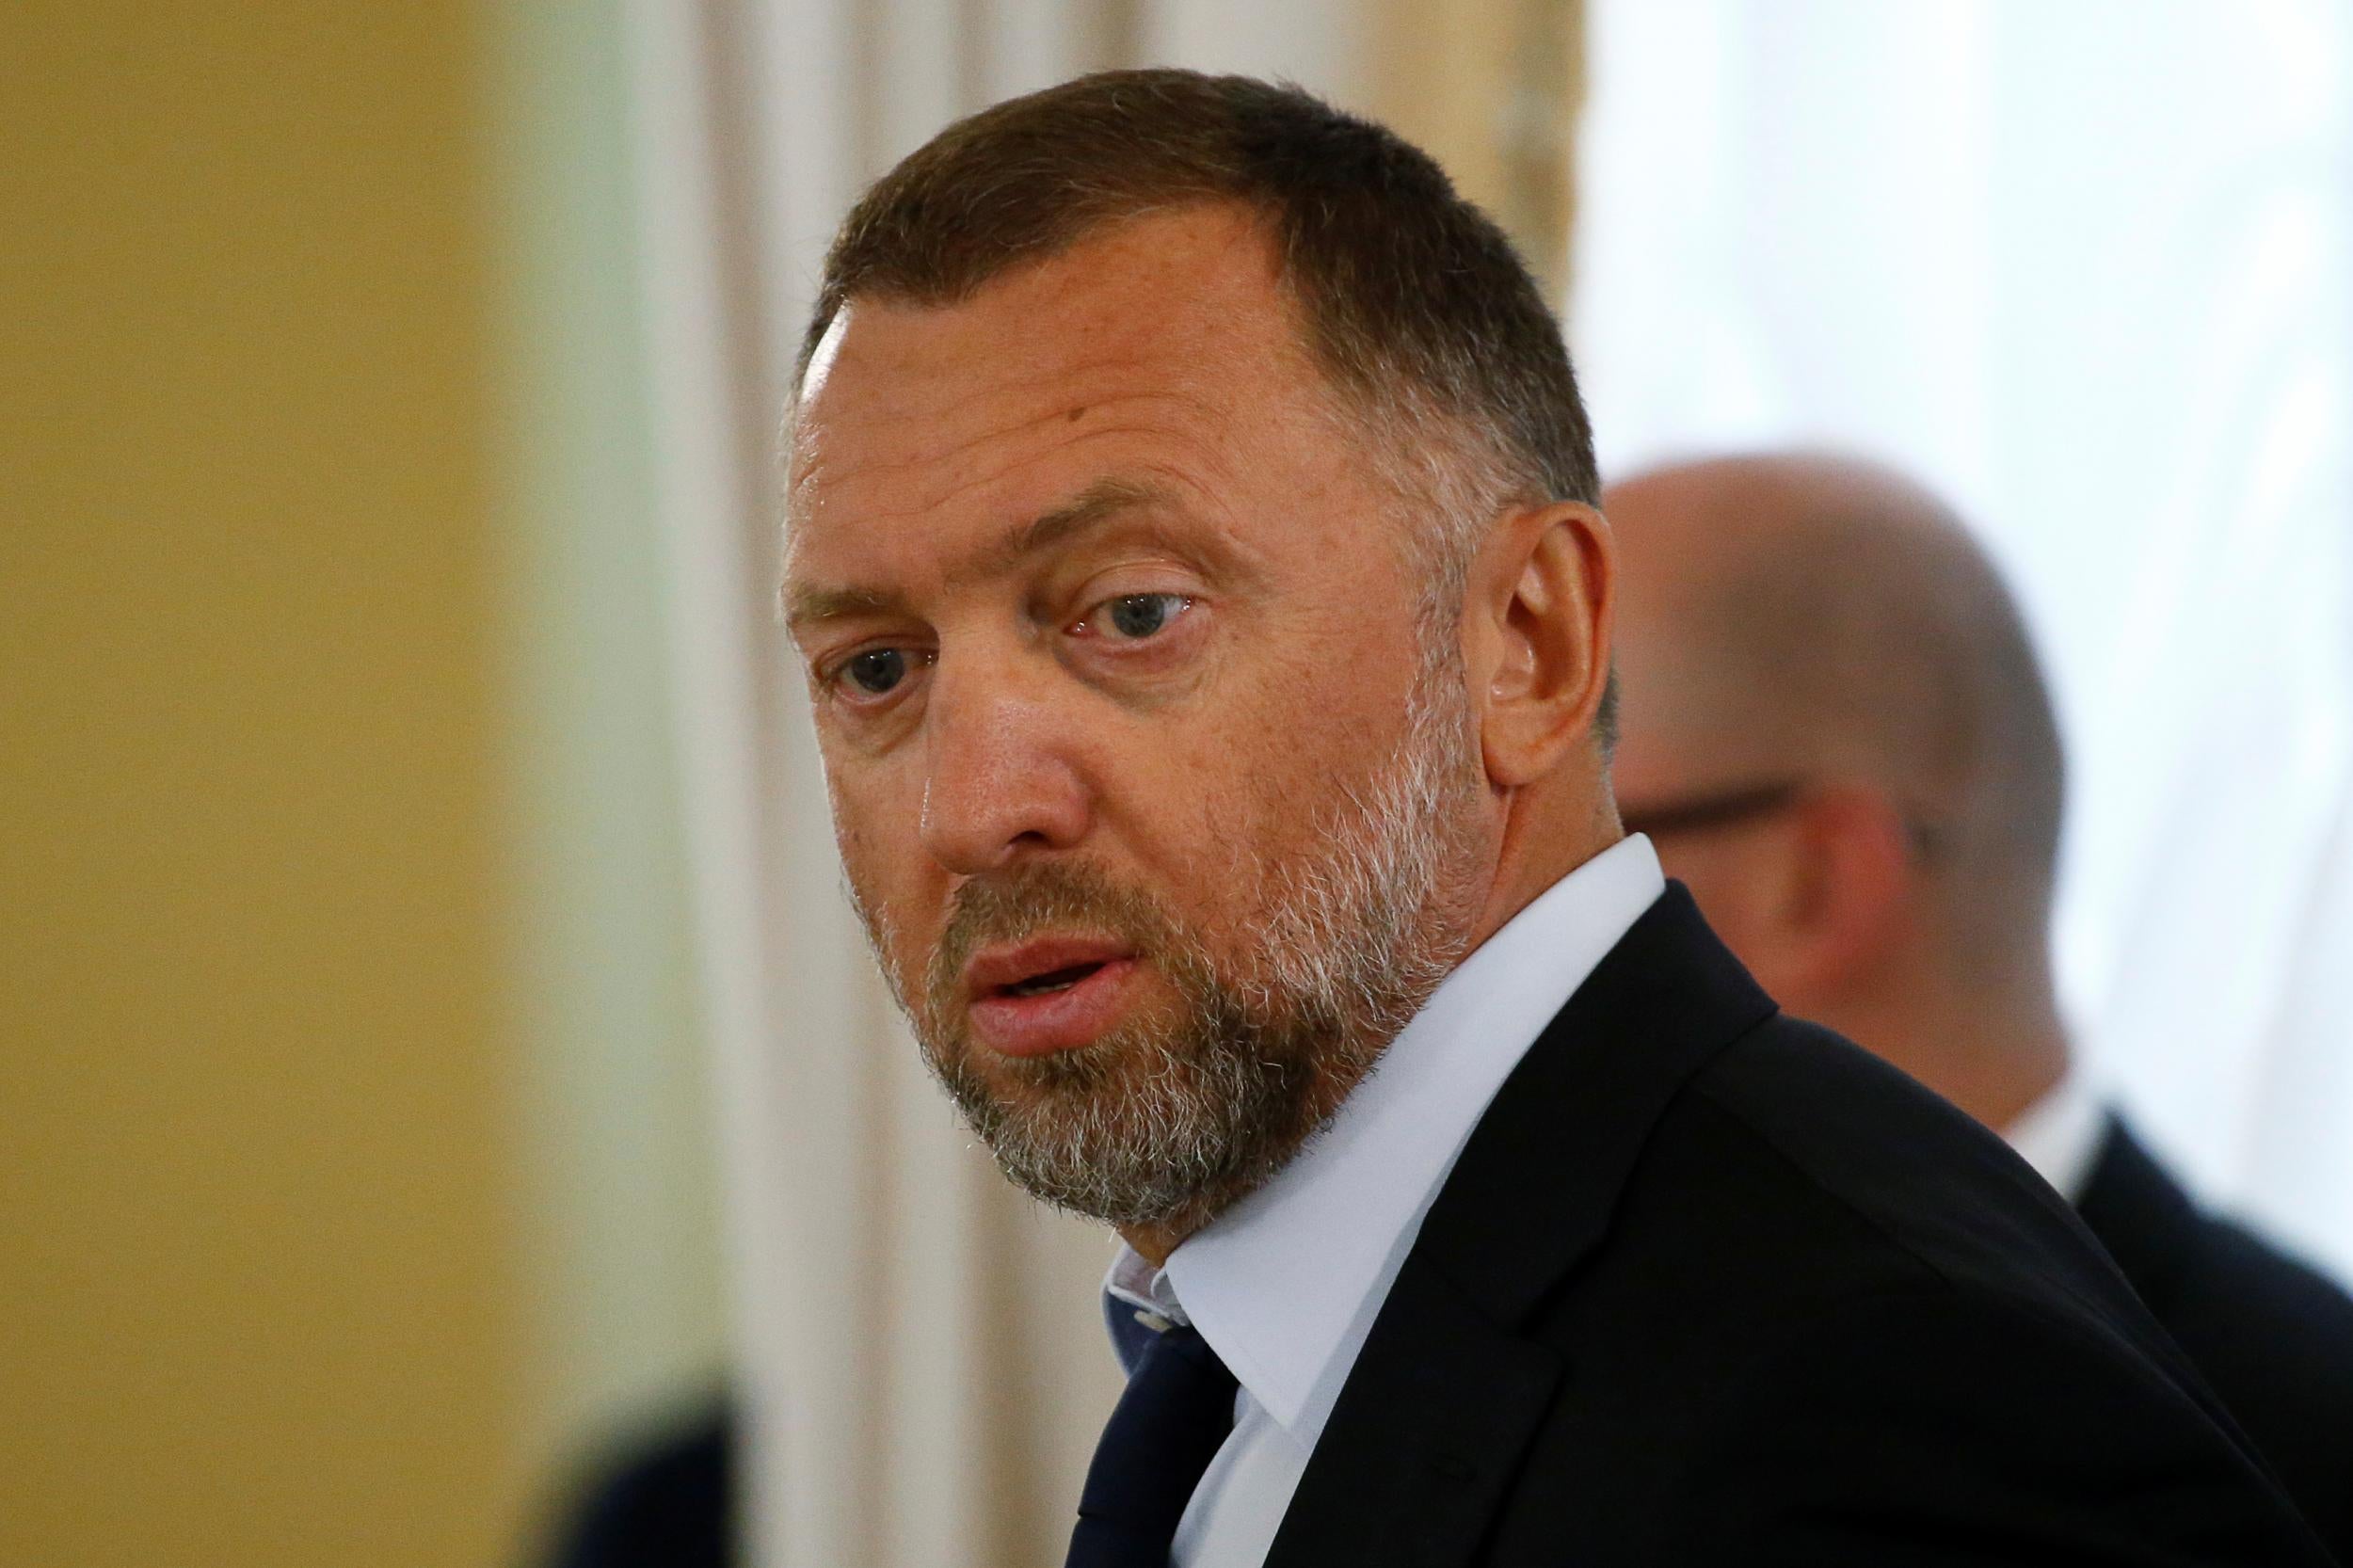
point(2274, 1338)
point(1709, 1286)
point(667, 1504)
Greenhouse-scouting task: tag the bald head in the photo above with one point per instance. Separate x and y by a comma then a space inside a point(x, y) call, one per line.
point(1796, 618)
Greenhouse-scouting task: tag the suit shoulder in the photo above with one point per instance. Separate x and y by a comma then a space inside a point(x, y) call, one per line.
point(2201, 1268)
point(1858, 1140)
point(2272, 1333)
point(1964, 1415)
point(2257, 1282)
point(1807, 1172)
point(1827, 1101)
point(2275, 1339)
point(1795, 1173)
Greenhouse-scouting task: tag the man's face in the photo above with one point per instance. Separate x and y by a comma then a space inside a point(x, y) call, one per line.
point(1160, 810)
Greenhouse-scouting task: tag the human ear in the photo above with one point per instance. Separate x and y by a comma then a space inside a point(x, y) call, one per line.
point(1537, 617)
point(1851, 897)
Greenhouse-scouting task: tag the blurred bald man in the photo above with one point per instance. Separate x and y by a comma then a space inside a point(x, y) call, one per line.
point(1835, 733)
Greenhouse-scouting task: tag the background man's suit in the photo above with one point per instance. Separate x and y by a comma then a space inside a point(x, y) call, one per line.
point(670, 1505)
point(1709, 1285)
point(2273, 1337)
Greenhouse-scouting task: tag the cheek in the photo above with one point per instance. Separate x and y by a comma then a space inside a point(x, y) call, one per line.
point(1269, 785)
point(880, 849)
point(858, 864)
point(1192, 817)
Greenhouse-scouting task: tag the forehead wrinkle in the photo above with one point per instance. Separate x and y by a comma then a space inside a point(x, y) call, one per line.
point(1099, 505)
point(1169, 483)
point(803, 480)
point(1133, 407)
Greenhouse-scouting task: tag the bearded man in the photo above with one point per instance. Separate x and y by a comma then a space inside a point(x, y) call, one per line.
point(1193, 552)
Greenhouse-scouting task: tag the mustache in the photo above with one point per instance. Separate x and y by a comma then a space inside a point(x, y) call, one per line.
point(1011, 906)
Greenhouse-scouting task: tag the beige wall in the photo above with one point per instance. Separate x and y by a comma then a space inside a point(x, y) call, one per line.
point(258, 1302)
point(1493, 89)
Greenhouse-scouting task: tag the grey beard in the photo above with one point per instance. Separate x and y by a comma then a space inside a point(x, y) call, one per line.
point(1165, 1122)
point(1152, 1126)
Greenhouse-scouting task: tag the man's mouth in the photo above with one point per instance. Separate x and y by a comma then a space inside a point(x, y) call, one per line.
point(1048, 994)
point(1052, 980)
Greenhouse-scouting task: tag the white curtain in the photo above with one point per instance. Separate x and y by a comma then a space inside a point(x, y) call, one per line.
point(2088, 269)
point(920, 1351)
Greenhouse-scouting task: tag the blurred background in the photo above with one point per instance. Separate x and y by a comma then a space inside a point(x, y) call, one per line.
point(432, 1047)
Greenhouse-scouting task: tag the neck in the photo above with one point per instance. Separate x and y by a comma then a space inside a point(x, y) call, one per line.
point(1153, 1243)
point(1549, 831)
point(1991, 1050)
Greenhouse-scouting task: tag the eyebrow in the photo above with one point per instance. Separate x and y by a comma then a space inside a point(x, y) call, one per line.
point(805, 603)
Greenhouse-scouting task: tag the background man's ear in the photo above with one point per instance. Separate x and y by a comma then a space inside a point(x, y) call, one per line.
point(1852, 893)
point(1537, 622)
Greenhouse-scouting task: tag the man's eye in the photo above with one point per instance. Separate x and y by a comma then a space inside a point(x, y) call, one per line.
point(876, 670)
point(1139, 616)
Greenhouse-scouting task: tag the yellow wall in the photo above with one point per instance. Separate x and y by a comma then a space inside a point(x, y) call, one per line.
point(257, 1292)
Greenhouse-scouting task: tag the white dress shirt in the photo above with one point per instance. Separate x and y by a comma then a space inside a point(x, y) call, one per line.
point(1285, 1284)
point(2060, 1133)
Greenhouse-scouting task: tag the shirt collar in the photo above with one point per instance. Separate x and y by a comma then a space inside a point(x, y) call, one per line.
point(2060, 1134)
point(1285, 1284)
point(1138, 1303)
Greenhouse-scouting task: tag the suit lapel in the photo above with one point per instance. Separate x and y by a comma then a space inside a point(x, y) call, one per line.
point(1426, 1434)
point(2142, 1216)
point(1447, 1391)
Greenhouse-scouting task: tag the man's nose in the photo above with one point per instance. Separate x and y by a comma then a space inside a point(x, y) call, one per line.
point(1001, 781)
